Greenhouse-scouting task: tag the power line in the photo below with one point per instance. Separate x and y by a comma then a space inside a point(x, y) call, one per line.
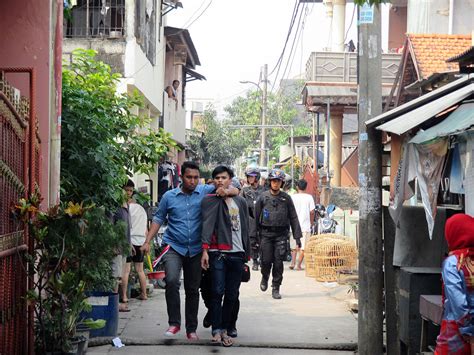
point(350, 25)
point(194, 13)
point(293, 17)
point(296, 39)
point(203, 11)
point(284, 48)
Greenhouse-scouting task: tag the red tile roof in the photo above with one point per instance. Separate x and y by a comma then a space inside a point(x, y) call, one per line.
point(431, 51)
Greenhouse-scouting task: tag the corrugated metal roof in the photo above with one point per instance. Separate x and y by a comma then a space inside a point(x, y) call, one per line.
point(420, 101)
point(457, 122)
point(414, 118)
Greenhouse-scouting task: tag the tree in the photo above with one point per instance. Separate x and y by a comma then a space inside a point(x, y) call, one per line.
point(370, 2)
point(102, 141)
point(216, 145)
point(281, 109)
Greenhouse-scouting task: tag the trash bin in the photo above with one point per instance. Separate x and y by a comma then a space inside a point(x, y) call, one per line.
point(104, 306)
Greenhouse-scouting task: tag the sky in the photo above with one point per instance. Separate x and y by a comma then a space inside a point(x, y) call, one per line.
point(234, 38)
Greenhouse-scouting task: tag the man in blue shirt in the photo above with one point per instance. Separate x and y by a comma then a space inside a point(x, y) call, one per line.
point(181, 207)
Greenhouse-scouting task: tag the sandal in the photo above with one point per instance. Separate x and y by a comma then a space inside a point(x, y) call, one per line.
point(123, 307)
point(227, 340)
point(292, 267)
point(216, 338)
point(142, 298)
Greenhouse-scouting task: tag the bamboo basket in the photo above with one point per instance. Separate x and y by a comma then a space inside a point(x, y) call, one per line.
point(309, 251)
point(325, 236)
point(331, 256)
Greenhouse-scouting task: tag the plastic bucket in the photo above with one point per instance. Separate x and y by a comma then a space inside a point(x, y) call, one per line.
point(104, 306)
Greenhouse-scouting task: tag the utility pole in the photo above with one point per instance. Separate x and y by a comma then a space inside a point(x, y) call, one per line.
point(263, 154)
point(370, 323)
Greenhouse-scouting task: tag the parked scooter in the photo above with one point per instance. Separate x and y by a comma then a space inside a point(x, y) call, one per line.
point(325, 222)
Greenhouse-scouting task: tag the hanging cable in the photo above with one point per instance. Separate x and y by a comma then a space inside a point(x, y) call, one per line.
point(283, 53)
point(350, 25)
point(293, 17)
point(194, 13)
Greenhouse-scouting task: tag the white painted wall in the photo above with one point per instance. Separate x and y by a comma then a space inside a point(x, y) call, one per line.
point(139, 72)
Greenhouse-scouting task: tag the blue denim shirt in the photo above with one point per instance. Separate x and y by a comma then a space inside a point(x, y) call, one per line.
point(183, 213)
point(459, 301)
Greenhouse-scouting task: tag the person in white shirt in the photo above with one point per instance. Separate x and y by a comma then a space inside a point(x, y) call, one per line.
point(138, 229)
point(304, 205)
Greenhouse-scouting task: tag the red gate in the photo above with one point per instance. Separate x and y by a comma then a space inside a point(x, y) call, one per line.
point(19, 173)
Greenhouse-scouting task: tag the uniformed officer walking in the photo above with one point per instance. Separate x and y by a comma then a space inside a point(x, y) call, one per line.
point(251, 194)
point(274, 214)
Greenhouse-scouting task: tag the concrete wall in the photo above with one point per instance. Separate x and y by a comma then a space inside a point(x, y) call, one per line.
point(350, 171)
point(27, 40)
point(432, 16)
point(174, 114)
point(397, 27)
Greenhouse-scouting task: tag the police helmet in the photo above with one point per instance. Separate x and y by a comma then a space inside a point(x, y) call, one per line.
point(276, 174)
point(253, 172)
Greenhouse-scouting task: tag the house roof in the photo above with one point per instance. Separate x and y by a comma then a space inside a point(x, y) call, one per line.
point(467, 56)
point(458, 121)
point(343, 93)
point(418, 116)
point(430, 51)
point(181, 36)
point(420, 101)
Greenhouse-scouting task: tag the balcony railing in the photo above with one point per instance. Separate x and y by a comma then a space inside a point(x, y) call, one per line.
point(96, 19)
point(342, 67)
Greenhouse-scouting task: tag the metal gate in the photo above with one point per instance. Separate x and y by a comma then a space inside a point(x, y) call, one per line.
point(19, 173)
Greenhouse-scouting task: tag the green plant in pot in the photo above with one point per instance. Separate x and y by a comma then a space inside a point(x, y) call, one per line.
point(73, 246)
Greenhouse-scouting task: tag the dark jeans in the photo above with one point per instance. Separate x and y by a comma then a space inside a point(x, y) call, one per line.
point(192, 278)
point(274, 250)
point(226, 273)
point(206, 294)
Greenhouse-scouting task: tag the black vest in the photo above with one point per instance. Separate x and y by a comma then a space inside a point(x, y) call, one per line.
point(275, 212)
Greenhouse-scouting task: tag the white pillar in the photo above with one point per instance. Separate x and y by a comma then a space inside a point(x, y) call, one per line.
point(338, 25)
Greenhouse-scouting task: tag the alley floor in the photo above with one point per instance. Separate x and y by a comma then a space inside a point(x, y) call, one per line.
point(311, 317)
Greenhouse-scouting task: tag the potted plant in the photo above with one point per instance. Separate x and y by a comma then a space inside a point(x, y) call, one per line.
point(73, 246)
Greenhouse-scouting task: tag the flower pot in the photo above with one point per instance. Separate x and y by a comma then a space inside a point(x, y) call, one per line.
point(83, 331)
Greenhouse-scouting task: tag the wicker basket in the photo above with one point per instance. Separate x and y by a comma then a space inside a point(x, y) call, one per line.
point(331, 255)
point(309, 251)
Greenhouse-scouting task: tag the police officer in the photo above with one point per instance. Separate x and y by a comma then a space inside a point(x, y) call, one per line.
point(251, 194)
point(274, 214)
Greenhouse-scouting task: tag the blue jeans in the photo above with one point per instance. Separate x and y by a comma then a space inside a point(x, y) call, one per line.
point(226, 273)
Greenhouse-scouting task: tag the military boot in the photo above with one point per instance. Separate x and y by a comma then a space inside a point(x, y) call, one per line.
point(276, 292)
point(264, 284)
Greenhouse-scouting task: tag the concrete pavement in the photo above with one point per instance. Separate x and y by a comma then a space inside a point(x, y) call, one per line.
point(311, 315)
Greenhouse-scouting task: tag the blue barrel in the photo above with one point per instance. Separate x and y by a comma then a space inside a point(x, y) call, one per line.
point(104, 306)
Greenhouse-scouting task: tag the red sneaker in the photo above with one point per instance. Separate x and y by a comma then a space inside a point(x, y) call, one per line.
point(192, 336)
point(172, 331)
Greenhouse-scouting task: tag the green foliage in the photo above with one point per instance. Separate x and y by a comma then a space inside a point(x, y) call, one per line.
point(102, 139)
point(370, 2)
point(224, 144)
point(73, 246)
point(216, 146)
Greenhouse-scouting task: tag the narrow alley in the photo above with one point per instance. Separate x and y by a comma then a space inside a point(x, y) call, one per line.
point(310, 318)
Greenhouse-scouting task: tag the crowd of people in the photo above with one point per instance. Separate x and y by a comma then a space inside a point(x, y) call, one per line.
point(213, 230)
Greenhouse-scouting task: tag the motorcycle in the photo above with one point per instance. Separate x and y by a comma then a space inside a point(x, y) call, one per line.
point(325, 222)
